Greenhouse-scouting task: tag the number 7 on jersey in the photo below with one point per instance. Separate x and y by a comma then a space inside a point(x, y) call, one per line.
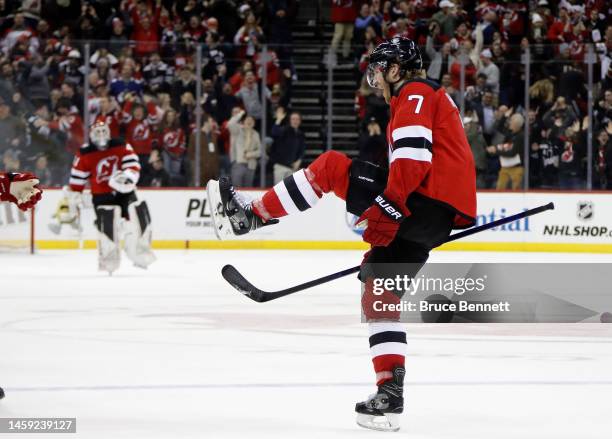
point(419, 98)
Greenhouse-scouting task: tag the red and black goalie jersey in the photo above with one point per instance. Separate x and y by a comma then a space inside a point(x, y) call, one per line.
point(429, 152)
point(97, 166)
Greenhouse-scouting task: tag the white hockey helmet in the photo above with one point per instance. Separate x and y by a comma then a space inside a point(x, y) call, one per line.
point(100, 135)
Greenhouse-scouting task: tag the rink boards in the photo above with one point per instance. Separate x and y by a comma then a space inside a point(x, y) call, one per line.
point(581, 222)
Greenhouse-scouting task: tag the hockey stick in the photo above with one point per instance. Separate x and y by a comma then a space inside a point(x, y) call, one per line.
point(239, 282)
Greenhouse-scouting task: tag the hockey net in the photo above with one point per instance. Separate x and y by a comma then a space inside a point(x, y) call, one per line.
point(16, 229)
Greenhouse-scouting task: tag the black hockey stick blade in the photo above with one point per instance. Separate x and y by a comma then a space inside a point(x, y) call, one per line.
point(239, 282)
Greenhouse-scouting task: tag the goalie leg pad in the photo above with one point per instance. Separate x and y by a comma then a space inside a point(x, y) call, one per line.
point(107, 222)
point(138, 235)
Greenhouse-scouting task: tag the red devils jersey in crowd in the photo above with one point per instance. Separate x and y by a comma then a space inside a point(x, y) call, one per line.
point(139, 133)
point(428, 151)
point(72, 125)
point(98, 166)
point(173, 141)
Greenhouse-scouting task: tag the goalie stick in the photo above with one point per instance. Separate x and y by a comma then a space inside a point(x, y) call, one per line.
point(240, 283)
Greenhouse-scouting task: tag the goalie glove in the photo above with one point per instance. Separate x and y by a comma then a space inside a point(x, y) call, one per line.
point(21, 189)
point(123, 181)
point(382, 221)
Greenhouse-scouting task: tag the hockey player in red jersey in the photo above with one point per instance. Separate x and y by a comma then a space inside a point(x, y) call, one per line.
point(112, 170)
point(408, 209)
point(20, 188)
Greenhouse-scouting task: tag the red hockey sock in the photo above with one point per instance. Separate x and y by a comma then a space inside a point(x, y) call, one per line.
point(301, 190)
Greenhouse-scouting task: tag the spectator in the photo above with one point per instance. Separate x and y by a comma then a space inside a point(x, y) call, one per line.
point(185, 83)
point(343, 15)
point(209, 151)
point(140, 121)
point(542, 93)
point(490, 70)
point(214, 58)
point(157, 75)
point(248, 36)
point(173, 148)
point(146, 28)
point(70, 93)
point(549, 151)
point(250, 96)
point(42, 171)
point(372, 144)
point(157, 176)
point(571, 156)
point(368, 17)
point(377, 108)
point(226, 102)
point(473, 132)
point(602, 148)
point(118, 39)
point(68, 121)
point(237, 78)
point(41, 140)
point(10, 161)
point(441, 60)
point(245, 149)
point(126, 85)
point(17, 31)
point(280, 15)
point(289, 145)
point(71, 69)
point(87, 26)
point(446, 18)
point(508, 146)
point(603, 110)
point(559, 117)
point(12, 134)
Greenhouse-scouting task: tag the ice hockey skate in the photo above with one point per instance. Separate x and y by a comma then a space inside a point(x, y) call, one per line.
point(231, 214)
point(381, 411)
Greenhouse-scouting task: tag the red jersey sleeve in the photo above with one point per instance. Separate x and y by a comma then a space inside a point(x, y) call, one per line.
point(410, 140)
point(129, 162)
point(79, 174)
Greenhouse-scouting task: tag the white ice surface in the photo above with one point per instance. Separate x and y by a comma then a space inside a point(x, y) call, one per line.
point(174, 352)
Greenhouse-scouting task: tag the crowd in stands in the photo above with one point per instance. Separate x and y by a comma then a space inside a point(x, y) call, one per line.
point(489, 39)
point(134, 65)
point(140, 75)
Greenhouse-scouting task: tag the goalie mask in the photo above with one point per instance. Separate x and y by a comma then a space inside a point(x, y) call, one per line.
point(100, 135)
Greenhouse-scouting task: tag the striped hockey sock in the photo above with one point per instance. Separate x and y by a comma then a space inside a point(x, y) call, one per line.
point(301, 190)
point(294, 194)
point(388, 348)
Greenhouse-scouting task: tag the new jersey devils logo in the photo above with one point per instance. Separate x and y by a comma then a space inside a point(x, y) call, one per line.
point(106, 167)
point(141, 132)
point(171, 139)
